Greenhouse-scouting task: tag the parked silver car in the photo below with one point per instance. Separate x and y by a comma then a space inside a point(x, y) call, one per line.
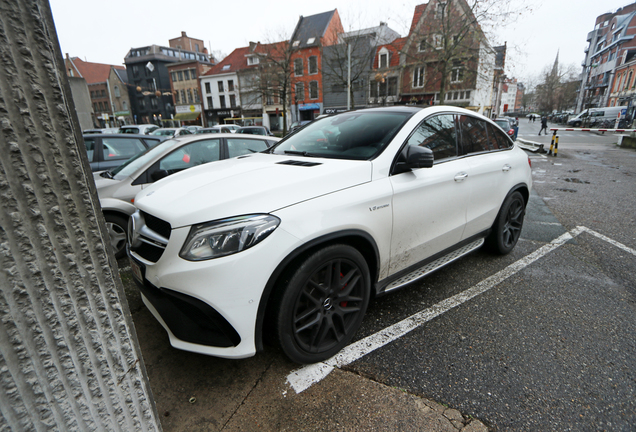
point(117, 188)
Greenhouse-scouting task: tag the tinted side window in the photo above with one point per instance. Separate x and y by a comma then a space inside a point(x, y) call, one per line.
point(498, 140)
point(124, 148)
point(474, 135)
point(190, 155)
point(90, 148)
point(437, 133)
point(241, 146)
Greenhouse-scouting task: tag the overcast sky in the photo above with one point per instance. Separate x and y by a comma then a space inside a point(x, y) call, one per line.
point(103, 32)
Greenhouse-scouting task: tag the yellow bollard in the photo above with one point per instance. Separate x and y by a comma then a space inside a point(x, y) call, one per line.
point(556, 146)
point(552, 144)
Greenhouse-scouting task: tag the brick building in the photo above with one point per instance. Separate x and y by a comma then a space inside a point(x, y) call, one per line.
point(610, 45)
point(311, 34)
point(107, 88)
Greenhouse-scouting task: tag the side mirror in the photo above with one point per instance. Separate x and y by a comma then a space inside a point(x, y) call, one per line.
point(419, 157)
point(414, 157)
point(158, 175)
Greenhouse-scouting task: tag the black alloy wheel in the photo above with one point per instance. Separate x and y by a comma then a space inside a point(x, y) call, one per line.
point(117, 227)
point(323, 304)
point(507, 228)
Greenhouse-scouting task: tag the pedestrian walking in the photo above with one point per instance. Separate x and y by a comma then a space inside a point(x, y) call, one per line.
point(544, 125)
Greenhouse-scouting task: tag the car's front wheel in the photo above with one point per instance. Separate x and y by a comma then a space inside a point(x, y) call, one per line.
point(322, 304)
point(117, 227)
point(507, 228)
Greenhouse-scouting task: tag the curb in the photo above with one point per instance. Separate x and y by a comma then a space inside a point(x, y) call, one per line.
point(532, 146)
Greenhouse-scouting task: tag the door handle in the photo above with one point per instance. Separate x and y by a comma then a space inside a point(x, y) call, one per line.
point(461, 176)
point(506, 168)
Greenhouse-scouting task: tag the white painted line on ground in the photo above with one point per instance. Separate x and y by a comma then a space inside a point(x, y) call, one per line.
point(609, 240)
point(303, 378)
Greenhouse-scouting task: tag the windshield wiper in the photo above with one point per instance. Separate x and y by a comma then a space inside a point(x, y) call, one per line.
point(300, 153)
point(107, 174)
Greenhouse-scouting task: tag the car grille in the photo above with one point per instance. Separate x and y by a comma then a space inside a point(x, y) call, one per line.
point(154, 236)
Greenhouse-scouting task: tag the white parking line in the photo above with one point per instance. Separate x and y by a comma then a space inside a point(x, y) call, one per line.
point(303, 378)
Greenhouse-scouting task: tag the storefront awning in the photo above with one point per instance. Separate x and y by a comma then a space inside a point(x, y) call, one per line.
point(187, 116)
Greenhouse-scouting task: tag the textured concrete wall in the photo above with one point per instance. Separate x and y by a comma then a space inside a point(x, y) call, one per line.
point(69, 358)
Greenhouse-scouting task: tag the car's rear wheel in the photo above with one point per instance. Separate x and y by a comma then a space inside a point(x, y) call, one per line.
point(507, 228)
point(117, 227)
point(322, 304)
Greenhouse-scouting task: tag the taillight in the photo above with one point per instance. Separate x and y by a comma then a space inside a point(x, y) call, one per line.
point(511, 132)
point(529, 162)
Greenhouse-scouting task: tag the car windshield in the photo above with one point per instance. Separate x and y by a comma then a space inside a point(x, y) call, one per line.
point(357, 135)
point(133, 164)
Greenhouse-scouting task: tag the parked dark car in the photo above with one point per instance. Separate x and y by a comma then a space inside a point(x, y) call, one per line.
point(107, 151)
point(507, 125)
point(255, 130)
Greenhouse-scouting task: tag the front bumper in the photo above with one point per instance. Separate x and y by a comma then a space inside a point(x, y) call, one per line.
point(211, 307)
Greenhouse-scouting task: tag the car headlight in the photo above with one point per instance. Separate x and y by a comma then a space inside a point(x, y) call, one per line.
point(227, 236)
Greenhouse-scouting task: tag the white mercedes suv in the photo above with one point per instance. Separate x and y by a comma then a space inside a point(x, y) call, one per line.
point(293, 242)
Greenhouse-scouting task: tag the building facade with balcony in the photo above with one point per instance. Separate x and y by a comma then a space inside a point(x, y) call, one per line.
point(610, 44)
point(150, 90)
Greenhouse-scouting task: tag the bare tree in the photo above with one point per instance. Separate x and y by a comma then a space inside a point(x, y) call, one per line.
point(449, 37)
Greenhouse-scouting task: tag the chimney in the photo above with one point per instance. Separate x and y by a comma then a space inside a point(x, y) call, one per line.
point(183, 34)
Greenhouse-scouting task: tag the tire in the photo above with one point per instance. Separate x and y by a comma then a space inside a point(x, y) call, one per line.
point(507, 228)
point(322, 304)
point(117, 228)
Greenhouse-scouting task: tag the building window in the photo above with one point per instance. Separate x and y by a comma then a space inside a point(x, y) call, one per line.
point(186, 74)
point(437, 41)
point(176, 97)
point(439, 12)
point(210, 104)
point(384, 60)
point(180, 75)
point(135, 70)
point(467, 95)
point(253, 60)
point(117, 93)
point(313, 65)
point(230, 85)
point(95, 107)
point(196, 95)
point(124, 106)
point(421, 47)
point(220, 83)
point(313, 90)
point(207, 88)
point(392, 90)
point(222, 100)
point(232, 101)
point(196, 47)
point(189, 95)
point(300, 91)
point(418, 77)
point(153, 102)
point(457, 74)
point(183, 96)
point(298, 67)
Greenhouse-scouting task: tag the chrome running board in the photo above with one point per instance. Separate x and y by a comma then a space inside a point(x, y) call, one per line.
point(434, 265)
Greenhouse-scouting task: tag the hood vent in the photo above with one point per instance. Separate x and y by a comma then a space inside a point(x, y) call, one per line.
point(298, 163)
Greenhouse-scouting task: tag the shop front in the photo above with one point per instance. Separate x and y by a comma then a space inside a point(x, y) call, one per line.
point(189, 115)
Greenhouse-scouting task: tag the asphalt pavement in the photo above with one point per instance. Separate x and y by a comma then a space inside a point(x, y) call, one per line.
point(544, 343)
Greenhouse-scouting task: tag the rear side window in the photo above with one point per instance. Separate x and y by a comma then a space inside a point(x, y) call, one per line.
point(193, 154)
point(121, 148)
point(438, 133)
point(473, 135)
point(90, 148)
point(129, 130)
point(242, 146)
point(497, 140)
